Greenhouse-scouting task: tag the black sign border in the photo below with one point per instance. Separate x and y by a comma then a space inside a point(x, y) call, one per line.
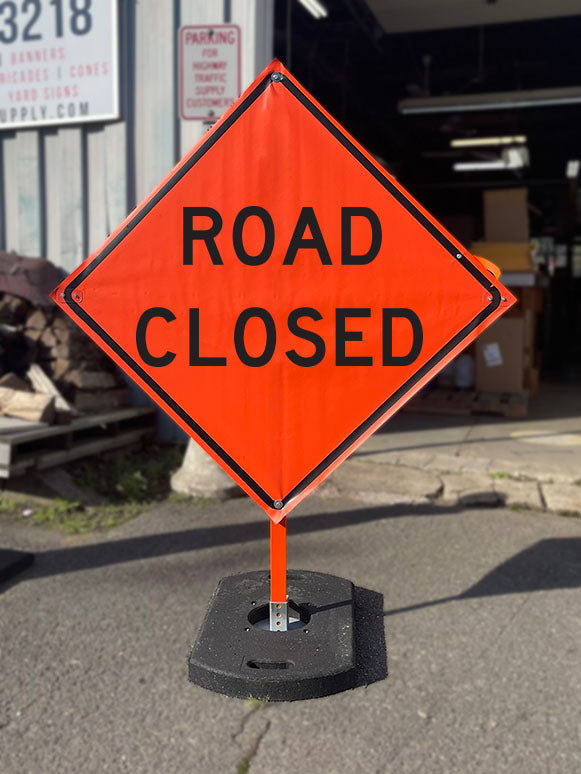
point(219, 131)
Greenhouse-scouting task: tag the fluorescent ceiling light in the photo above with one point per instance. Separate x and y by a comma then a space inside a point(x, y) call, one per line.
point(512, 158)
point(472, 166)
point(516, 156)
point(500, 100)
point(315, 8)
point(472, 142)
point(573, 168)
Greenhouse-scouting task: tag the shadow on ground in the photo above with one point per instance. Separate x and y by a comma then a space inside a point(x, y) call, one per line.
point(76, 558)
point(550, 564)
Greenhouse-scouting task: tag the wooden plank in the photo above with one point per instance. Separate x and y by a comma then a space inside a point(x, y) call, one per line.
point(27, 405)
point(513, 405)
point(19, 436)
point(44, 384)
point(13, 425)
point(62, 456)
point(467, 402)
point(5, 454)
point(93, 447)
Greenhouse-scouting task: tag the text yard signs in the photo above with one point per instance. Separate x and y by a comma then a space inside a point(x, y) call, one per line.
point(280, 295)
point(209, 70)
point(58, 62)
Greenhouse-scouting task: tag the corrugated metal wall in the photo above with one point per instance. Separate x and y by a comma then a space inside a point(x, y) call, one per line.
point(63, 190)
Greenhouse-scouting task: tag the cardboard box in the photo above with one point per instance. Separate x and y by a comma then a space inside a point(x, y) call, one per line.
point(508, 256)
point(506, 215)
point(530, 298)
point(527, 299)
point(531, 380)
point(500, 357)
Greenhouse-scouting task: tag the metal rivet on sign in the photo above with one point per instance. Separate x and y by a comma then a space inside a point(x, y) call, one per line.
point(276, 77)
point(458, 255)
point(490, 298)
point(503, 299)
point(277, 504)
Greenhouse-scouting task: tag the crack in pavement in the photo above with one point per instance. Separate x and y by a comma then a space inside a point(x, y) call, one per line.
point(542, 495)
point(245, 718)
point(244, 764)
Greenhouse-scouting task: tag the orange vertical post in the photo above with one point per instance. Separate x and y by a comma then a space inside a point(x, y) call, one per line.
point(278, 561)
point(278, 607)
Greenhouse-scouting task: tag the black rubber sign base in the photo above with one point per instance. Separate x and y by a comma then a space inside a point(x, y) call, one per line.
point(237, 654)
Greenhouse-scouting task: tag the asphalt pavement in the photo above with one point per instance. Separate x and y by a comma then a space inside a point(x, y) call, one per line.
point(480, 615)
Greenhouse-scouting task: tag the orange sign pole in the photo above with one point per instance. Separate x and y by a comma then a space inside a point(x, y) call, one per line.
point(278, 598)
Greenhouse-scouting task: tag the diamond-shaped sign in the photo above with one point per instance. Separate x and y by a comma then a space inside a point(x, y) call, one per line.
point(280, 295)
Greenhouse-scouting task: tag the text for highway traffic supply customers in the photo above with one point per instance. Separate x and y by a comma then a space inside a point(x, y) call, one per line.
point(302, 321)
point(209, 70)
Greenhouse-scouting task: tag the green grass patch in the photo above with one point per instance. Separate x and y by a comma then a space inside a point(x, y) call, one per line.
point(68, 515)
point(137, 477)
point(128, 481)
point(257, 704)
point(72, 517)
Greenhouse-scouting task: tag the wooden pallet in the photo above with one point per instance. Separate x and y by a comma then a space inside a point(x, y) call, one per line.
point(466, 402)
point(32, 445)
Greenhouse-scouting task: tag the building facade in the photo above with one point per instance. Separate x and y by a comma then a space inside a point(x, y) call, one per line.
point(64, 188)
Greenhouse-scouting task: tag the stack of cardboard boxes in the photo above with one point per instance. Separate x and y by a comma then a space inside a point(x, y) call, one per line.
point(507, 360)
point(506, 230)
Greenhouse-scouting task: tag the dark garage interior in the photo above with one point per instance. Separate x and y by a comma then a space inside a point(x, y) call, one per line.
point(420, 84)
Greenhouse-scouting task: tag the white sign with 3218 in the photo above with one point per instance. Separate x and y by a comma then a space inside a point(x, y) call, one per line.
point(58, 62)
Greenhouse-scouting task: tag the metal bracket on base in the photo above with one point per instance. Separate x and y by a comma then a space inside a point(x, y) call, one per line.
point(278, 615)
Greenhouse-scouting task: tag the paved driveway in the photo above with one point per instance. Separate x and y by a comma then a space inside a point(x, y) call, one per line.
point(482, 625)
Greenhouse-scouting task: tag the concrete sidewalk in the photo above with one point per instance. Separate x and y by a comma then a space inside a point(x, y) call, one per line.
point(474, 460)
point(481, 624)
